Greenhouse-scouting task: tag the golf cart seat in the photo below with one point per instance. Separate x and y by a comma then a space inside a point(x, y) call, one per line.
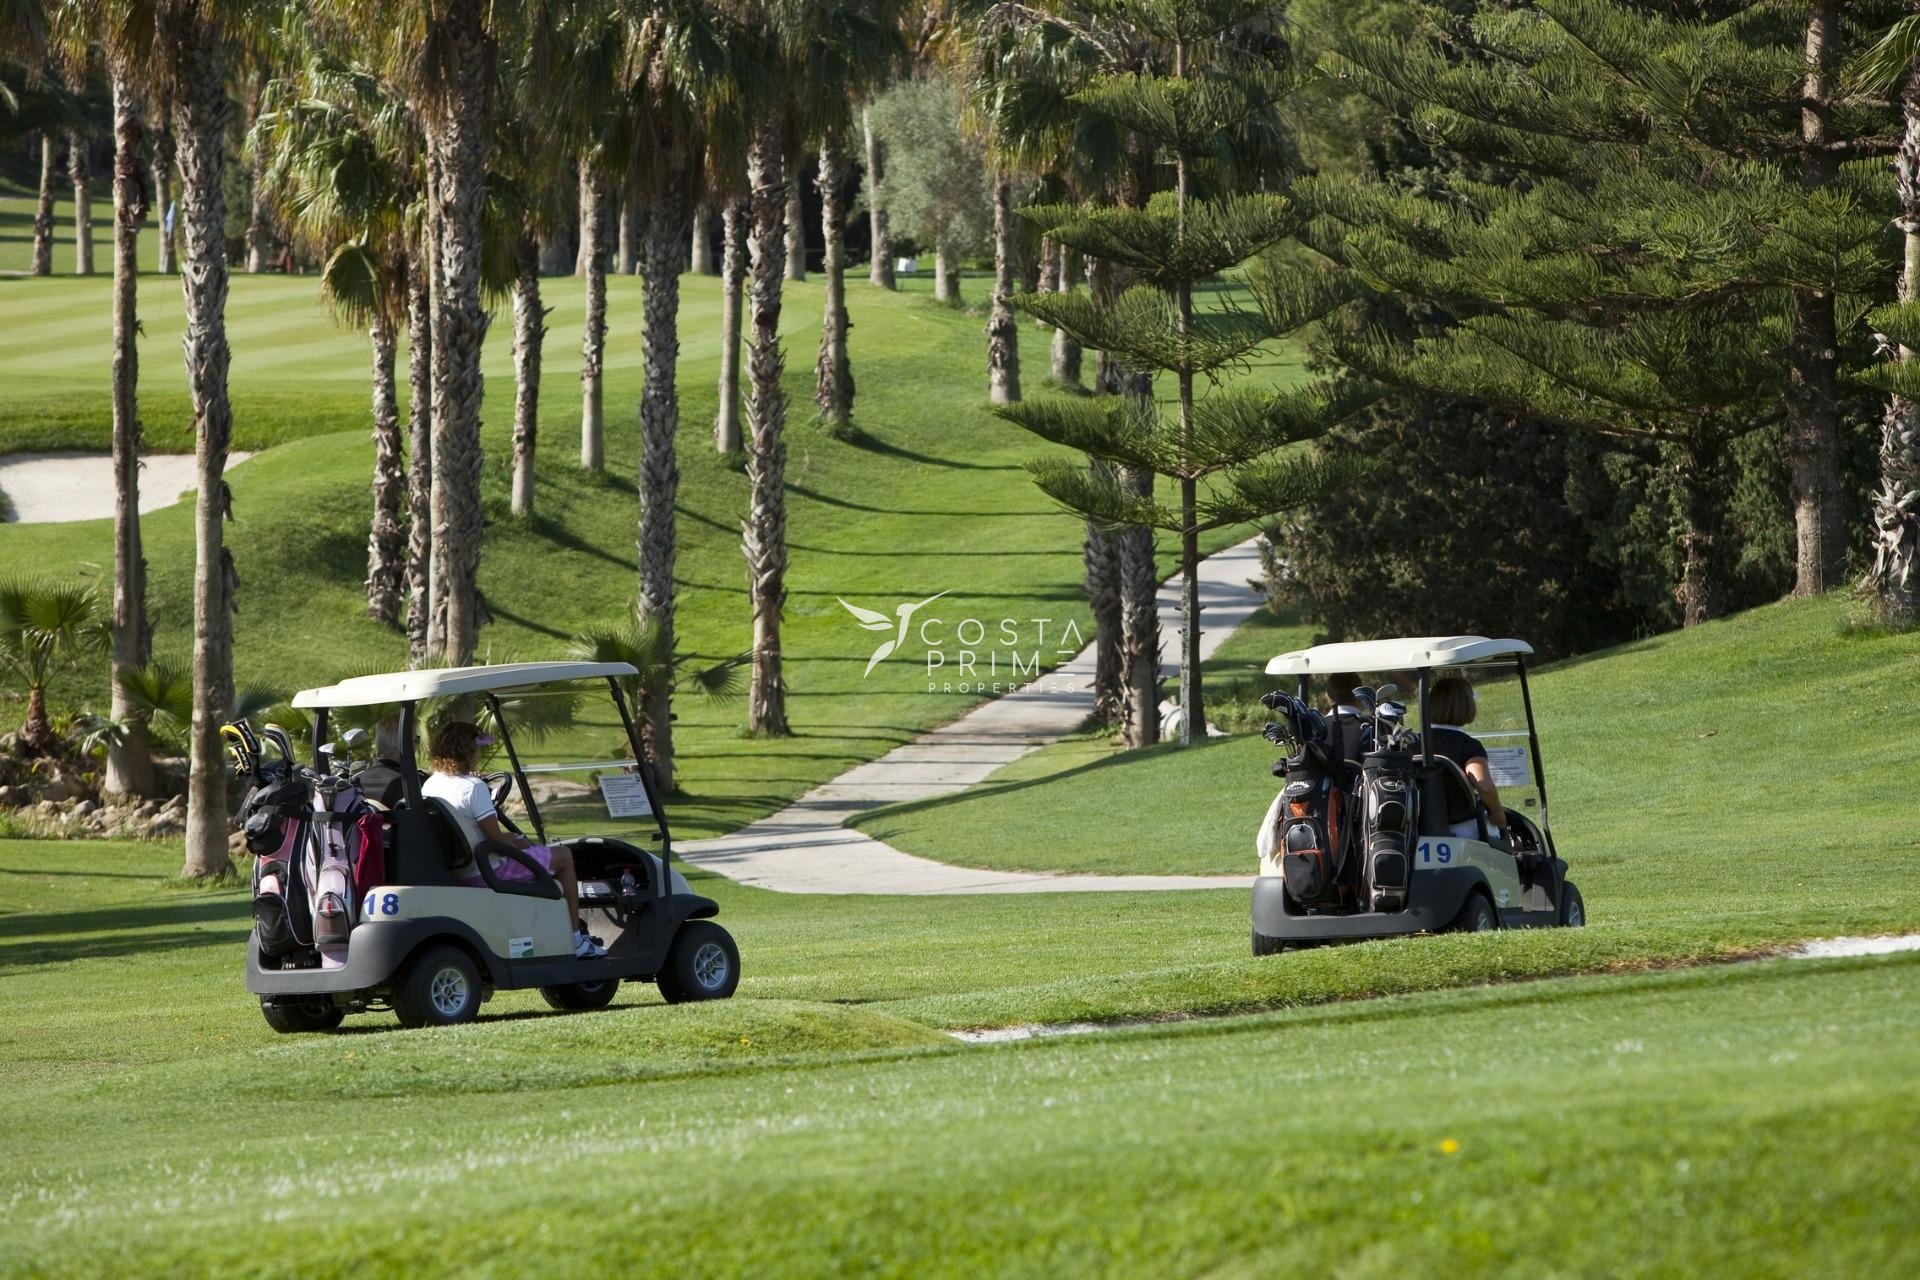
point(1458, 800)
point(466, 850)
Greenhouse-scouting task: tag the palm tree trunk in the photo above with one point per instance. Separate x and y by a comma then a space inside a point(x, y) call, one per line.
point(529, 332)
point(946, 274)
point(387, 538)
point(880, 265)
point(700, 249)
point(583, 204)
point(1896, 505)
point(796, 227)
point(1003, 331)
point(629, 234)
point(43, 211)
point(659, 468)
point(81, 175)
point(1046, 274)
point(457, 129)
point(1066, 351)
point(419, 452)
point(163, 185)
point(593, 343)
point(1813, 402)
point(733, 272)
point(130, 760)
point(200, 118)
point(37, 737)
point(765, 530)
point(833, 373)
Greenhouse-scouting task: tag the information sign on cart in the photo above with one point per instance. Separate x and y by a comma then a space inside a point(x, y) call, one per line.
point(625, 794)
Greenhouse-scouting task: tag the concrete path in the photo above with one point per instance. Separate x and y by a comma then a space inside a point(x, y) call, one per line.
point(48, 487)
point(805, 848)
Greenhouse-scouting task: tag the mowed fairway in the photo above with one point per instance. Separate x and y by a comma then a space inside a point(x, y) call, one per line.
point(1750, 1121)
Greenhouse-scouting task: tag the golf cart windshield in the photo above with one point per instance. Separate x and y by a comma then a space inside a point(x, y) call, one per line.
point(1500, 725)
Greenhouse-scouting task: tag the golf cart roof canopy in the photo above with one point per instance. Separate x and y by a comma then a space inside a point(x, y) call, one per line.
point(411, 686)
point(1394, 655)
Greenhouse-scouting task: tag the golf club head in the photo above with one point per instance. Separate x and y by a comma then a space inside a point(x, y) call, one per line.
point(1272, 732)
point(1363, 697)
point(1385, 690)
point(278, 737)
point(352, 739)
point(1273, 701)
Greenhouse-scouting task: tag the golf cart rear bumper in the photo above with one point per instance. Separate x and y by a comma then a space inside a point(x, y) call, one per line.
point(1436, 897)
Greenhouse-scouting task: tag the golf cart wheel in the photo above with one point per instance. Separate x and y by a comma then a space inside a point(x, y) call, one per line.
point(289, 1018)
point(581, 997)
point(439, 989)
point(1573, 908)
point(1476, 916)
point(1265, 946)
point(702, 964)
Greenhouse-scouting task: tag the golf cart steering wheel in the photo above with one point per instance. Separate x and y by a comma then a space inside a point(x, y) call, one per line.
point(501, 785)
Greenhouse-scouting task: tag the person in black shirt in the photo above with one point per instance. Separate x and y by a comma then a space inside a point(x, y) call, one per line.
point(384, 781)
point(1451, 705)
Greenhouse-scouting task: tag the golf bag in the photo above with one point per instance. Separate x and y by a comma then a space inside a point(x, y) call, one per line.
point(273, 819)
point(1313, 819)
point(345, 857)
point(1389, 796)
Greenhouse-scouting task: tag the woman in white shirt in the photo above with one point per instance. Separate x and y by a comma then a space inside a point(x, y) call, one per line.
point(453, 752)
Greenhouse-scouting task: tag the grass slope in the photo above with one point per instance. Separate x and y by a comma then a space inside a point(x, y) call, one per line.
point(1747, 1121)
point(931, 497)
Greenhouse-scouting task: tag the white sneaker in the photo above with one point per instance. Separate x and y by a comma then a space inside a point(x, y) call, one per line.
point(585, 948)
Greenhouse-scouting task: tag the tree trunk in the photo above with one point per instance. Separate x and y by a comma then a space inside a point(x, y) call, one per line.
point(1699, 486)
point(659, 468)
point(629, 234)
point(80, 172)
point(200, 120)
point(43, 211)
point(1101, 554)
point(529, 332)
point(1896, 504)
point(387, 538)
point(582, 206)
point(1003, 331)
point(457, 131)
point(260, 231)
point(700, 249)
point(593, 344)
point(419, 451)
point(37, 737)
point(1813, 403)
point(1047, 276)
point(1066, 351)
point(553, 254)
point(163, 183)
point(946, 275)
point(733, 271)
point(833, 373)
point(765, 529)
point(1193, 704)
point(796, 229)
point(129, 769)
point(880, 266)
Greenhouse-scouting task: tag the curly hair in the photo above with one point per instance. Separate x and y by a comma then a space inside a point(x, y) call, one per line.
point(455, 747)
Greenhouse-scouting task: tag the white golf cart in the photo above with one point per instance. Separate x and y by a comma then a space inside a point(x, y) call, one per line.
point(1365, 839)
point(428, 942)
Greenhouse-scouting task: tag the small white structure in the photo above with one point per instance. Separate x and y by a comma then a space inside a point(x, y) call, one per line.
point(906, 266)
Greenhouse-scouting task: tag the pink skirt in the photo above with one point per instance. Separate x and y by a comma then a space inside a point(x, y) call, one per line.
point(509, 870)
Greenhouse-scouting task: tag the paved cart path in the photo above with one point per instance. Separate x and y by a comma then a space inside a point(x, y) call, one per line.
point(806, 848)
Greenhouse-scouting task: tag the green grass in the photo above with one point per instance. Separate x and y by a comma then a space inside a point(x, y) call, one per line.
point(1742, 1121)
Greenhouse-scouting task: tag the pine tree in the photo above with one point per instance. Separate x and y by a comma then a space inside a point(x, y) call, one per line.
point(1625, 185)
point(1228, 438)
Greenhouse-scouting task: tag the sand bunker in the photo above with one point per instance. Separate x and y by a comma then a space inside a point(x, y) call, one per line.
point(47, 487)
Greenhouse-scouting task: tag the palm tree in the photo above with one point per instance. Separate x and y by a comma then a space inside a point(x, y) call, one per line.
point(659, 669)
point(420, 434)
point(44, 625)
point(80, 173)
point(1890, 581)
point(188, 48)
point(163, 191)
point(340, 156)
point(880, 260)
point(733, 275)
point(765, 530)
point(43, 210)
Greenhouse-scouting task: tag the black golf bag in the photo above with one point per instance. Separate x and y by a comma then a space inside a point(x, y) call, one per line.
point(1313, 830)
point(273, 819)
point(1388, 802)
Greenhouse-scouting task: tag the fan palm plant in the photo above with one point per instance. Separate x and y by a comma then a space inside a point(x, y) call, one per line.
point(45, 626)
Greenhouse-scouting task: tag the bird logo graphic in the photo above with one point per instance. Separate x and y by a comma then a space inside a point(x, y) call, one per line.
point(874, 620)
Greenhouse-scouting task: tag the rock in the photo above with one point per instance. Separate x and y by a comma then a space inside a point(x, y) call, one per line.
point(59, 787)
point(176, 805)
point(86, 807)
point(10, 796)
